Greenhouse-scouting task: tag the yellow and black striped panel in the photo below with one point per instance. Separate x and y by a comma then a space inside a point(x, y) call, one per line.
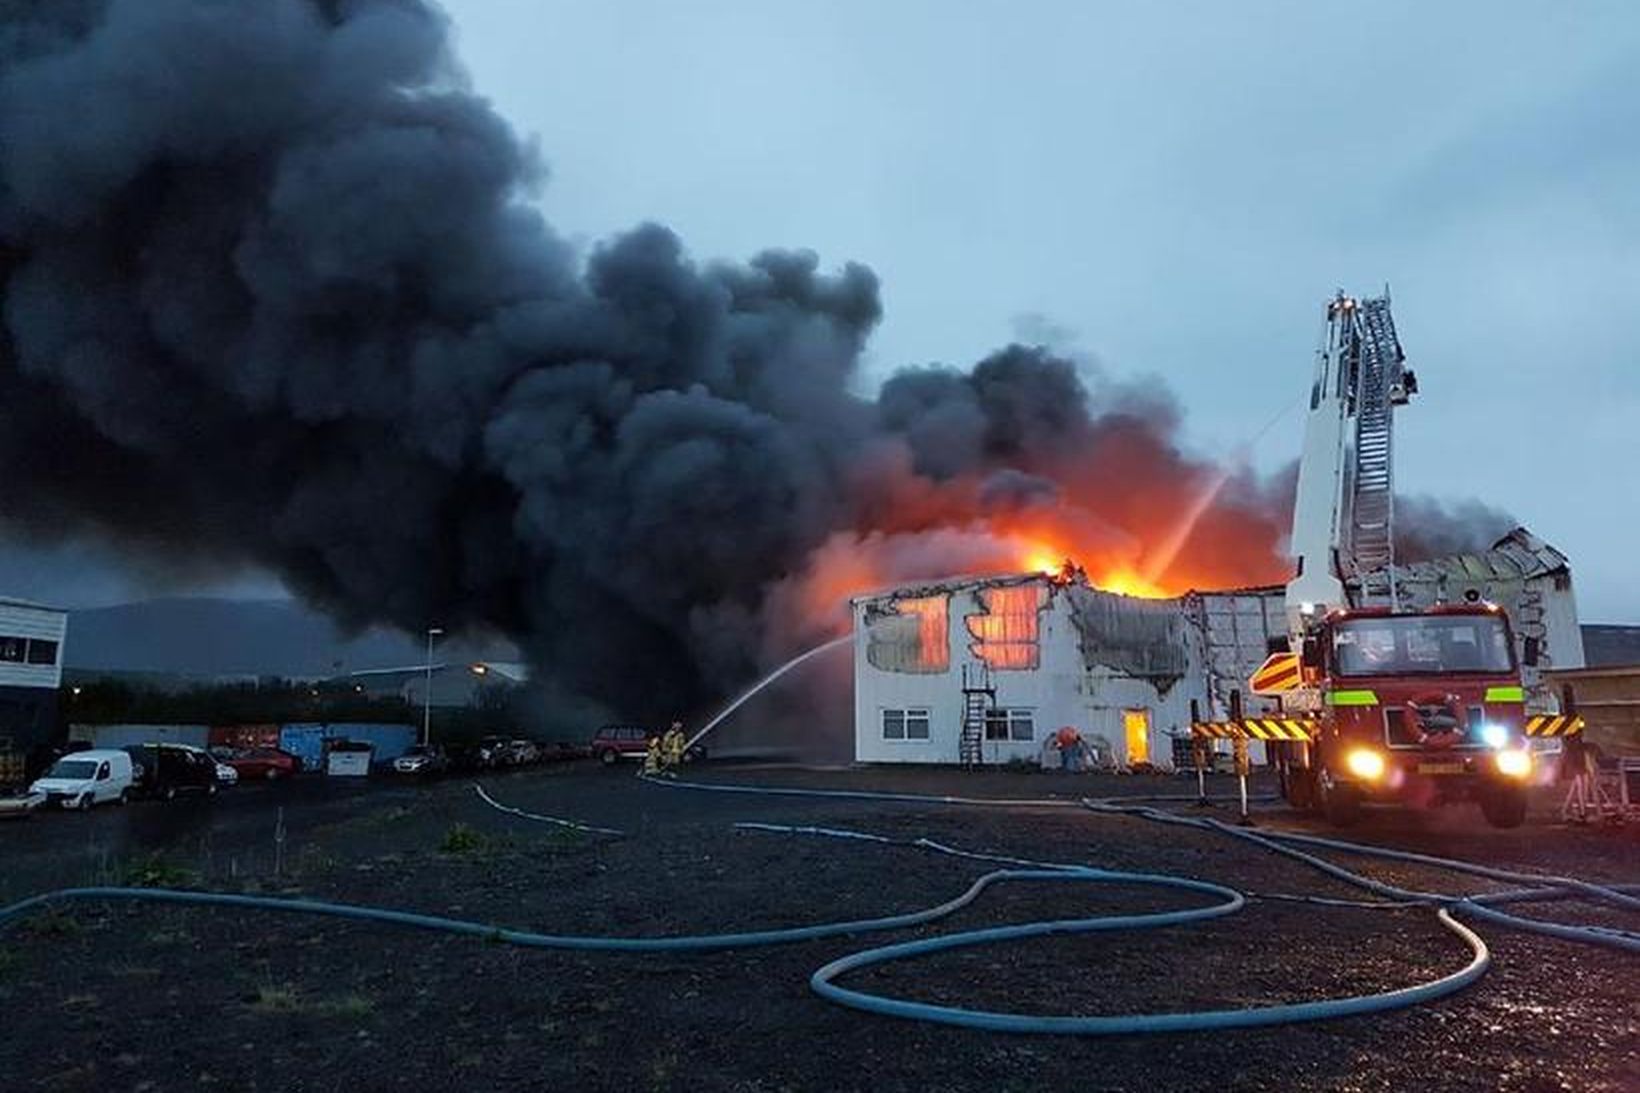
point(1279, 728)
point(1256, 728)
point(1554, 725)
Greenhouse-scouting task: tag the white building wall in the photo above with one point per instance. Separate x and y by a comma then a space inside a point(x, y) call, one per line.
point(1063, 690)
point(30, 621)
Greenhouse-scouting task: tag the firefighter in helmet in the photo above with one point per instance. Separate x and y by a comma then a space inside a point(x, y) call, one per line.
point(652, 756)
point(672, 745)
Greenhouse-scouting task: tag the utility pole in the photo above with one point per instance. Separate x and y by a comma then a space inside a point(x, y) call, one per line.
point(427, 692)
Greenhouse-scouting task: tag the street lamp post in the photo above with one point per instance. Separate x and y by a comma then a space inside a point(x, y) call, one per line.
point(427, 692)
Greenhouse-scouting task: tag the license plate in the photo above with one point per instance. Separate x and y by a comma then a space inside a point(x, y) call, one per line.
point(1440, 768)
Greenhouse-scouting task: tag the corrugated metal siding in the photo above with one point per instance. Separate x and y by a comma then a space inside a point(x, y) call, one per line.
point(23, 621)
point(1237, 629)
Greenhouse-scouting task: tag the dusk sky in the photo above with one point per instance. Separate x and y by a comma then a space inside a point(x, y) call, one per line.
point(1167, 194)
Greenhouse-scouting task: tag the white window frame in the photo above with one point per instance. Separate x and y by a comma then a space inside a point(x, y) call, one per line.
point(1013, 718)
point(907, 715)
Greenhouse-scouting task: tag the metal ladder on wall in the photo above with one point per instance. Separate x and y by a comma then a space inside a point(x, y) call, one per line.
point(1379, 360)
point(978, 697)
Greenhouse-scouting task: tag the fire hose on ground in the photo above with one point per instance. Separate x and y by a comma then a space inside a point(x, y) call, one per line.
point(823, 980)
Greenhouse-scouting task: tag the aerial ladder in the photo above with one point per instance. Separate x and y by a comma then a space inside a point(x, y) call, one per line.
point(1378, 701)
point(1344, 513)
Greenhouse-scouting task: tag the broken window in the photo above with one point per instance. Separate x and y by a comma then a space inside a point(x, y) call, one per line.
point(909, 636)
point(1007, 632)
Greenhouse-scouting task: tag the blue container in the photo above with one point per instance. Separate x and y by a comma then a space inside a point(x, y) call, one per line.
point(306, 740)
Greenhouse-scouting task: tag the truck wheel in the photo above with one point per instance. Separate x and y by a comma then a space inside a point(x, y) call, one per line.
point(608, 757)
point(1504, 806)
point(1340, 802)
point(1300, 787)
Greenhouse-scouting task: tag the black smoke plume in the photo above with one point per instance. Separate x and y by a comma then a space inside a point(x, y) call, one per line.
point(274, 293)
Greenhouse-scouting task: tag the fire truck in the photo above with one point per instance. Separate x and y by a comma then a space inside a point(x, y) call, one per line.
point(1377, 702)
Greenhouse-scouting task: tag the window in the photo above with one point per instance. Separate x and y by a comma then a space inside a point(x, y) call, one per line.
point(1422, 645)
point(11, 650)
point(1006, 632)
point(909, 635)
point(1010, 725)
point(909, 724)
point(41, 651)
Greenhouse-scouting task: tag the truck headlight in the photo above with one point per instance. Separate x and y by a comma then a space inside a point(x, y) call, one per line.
point(1365, 763)
point(1494, 735)
point(1514, 762)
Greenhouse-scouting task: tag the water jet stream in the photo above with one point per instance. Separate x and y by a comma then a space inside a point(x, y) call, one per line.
point(764, 682)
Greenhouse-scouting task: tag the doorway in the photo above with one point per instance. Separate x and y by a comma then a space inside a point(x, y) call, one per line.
point(1136, 728)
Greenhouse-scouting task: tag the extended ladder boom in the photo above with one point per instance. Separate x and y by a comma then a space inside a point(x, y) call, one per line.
point(1343, 517)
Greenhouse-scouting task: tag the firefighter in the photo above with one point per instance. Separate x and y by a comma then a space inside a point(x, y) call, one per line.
point(652, 757)
point(672, 744)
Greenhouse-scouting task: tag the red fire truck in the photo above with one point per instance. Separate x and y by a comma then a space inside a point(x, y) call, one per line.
point(1422, 707)
point(1377, 701)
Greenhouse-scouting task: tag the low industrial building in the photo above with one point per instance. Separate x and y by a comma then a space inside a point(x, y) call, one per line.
point(454, 684)
point(31, 672)
point(986, 669)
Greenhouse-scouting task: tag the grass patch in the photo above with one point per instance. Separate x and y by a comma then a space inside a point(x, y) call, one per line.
point(464, 839)
point(270, 999)
point(156, 871)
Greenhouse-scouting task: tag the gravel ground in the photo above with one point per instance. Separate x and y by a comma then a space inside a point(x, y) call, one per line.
point(141, 997)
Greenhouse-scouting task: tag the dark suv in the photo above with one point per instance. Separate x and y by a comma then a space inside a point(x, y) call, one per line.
point(166, 771)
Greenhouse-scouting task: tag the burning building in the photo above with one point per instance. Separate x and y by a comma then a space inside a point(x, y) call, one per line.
point(986, 669)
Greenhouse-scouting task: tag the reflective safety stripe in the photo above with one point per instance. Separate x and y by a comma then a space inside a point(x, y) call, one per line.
point(1352, 698)
point(1554, 725)
point(1256, 728)
point(1506, 694)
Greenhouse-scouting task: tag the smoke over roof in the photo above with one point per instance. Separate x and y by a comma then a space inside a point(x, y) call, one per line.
point(274, 293)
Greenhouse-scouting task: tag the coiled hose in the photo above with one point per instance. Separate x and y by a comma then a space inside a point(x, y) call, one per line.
point(823, 980)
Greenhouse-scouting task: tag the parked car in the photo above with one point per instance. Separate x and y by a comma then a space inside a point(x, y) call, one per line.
point(612, 743)
point(524, 752)
point(172, 770)
point(422, 759)
point(225, 775)
point(493, 751)
point(558, 751)
point(262, 764)
point(86, 779)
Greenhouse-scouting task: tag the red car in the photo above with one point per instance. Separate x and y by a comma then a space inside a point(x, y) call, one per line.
point(262, 764)
point(612, 743)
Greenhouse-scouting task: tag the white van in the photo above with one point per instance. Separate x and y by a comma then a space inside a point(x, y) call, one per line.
point(84, 779)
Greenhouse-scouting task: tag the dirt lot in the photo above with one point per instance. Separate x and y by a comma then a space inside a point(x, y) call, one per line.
point(140, 997)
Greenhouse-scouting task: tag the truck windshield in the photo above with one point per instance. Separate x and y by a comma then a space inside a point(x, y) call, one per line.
point(1422, 645)
point(76, 769)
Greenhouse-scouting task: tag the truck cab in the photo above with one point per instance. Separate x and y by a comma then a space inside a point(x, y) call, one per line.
point(1425, 708)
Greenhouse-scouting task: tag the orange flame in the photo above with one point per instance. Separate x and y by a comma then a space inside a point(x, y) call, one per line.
point(1116, 576)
